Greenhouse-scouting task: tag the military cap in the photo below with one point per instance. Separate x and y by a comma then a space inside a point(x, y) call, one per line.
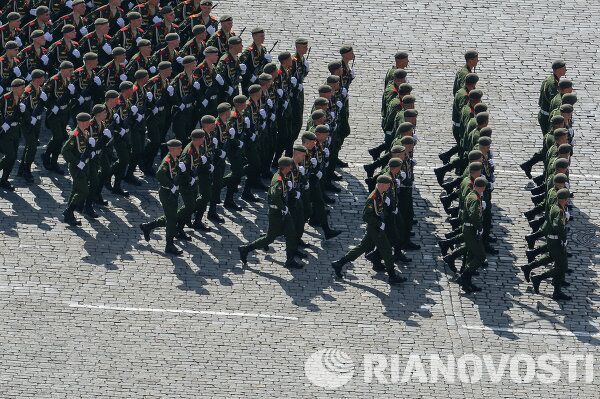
point(561, 131)
point(307, 136)
point(133, 15)
point(482, 117)
point(41, 10)
point(384, 179)
point(100, 21)
point(301, 40)
point(486, 131)
point(404, 89)
point(407, 140)
point(111, 94)
point(254, 31)
point(83, 117)
point(411, 113)
point(324, 89)
point(564, 149)
point(471, 78)
point(484, 141)
point(474, 155)
point(558, 64)
point(345, 49)
point(211, 50)
point(285, 161)
point(394, 163)
point(405, 127)
point(197, 29)
point(166, 9)
point(560, 178)
point(333, 79)
point(556, 119)
point(322, 129)
point(17, 82)
point(285, 55)
point(332, 66)
point(470, 54)
point(143, 43)
point(300, 148)
point(475, 94)
point(188, 59)
point(36, 33)
point(11, 45)
point(171, 36)
point(475, 167)
point(233, 40)
point(265, 77)
point(480, 107)
point(66, 65)
point(565, 84)
point(78, 2)
point(223, 107)
point(253, 89)
point(566, 109)
point(409, 99)
point(397, 149)
point(140, 74)
point(225, 17)
point(125, 85)
point(207, 119)
point(399, 73)
point(90, 56)
point(401, 55)
point(569, 98)
point(37, 73)
point(164, 65)
point(318, 114)
point(173, 143)
point(240, 99)
point(480, 182)
point(118, 51)
point(563, 194)
point(96, 109)
point(205, 2)
point(13, 16)
point(197, 134)
point(271, 67)
point(67, 28)
point(562, 163)
point(321, 101)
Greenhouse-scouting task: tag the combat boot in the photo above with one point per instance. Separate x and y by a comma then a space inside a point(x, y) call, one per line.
point(558, 295)
point(394, 278)
point(447, 199)
point(27, 174)
point(88, 209)
point(337, 267)
point(536, 224)
point(444, 246)
point(290, 263)
point(538, 190)
point(69, 216)
point(526, 166)
point(528, 268)
point(530, 214)
point(539, 179)
point(446, 156)
point(453, 211)
point(370, 169)
point(117, 190)
point(454, 222)
point(244, 250)
point(532, 238)
point(171, 248)
point(451, 185)
point(230, 203)
point(147, 229)
point(440, 173)
point(532, 253)
point(247, 193)
point(213, 216)
point(199, 224)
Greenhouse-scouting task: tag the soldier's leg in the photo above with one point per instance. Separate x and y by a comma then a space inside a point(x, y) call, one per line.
point(138, 137)
point(152, 146)
point(543, 121)
point(31, 135)
point(204, 191)
point(119, 168)
point(182, 126)
point(59, 136)
point(184, 213)
point(366, 245)
point(274, 229)
point(7, 147)
point(291, 237)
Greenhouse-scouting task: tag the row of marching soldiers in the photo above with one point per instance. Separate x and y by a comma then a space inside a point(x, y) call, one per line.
point(388, 211)
point(551, 214)
point(473, 162)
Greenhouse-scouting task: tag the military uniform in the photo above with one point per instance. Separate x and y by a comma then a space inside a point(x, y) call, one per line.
point(128, 38)
point(159, 104)
point(12, 111)
point(228, 76)
point(298, 73)
point(548, 90)
point(91, 43)
point(89, 89)
point(184, 109)
point(209, 89)
point(234, 140)
point(64, 50)
point(254, 58)
point(35, 100)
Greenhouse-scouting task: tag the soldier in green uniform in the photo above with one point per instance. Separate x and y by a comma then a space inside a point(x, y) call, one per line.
point(255, 57)
point(548, 90)
point(257, 123)
point(230, 71)
point(209, 88)
point(405, 193)
point(219, 141)
point(77, 151)
point(169, 176)
point(137, 132)
point(309, 141)
point(280, 219)
point(298, 73)
point(88, 84)
point(102, 135)
point(471, 61)
point(565, 86)
point(234, 137)
point(299, 189)
point(12, 112)
point(401, 60)
point(205, 171)
point(186, 91)
point(375, 236)
point(220, 38)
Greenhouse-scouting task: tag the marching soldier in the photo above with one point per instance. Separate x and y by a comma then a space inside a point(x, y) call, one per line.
point(169, 53)
point(98, 42)
point(196, 170)
point(230, 70)
point(35, 55)
point(150, 12)
point(41, 22)
point(401, 60)
point(196, 45)
point(141, 60)
point(220, 39)
point(548, 90)
point(210, 22)
point(233, 137)
point(130, 35)
point(76, 18)
point(12, 111)
point(113, 73)
point(219, 143)
point(157, 34)
point(206, 179)
point(11, 31)
point(65, 49)
point(209, 88)
point(187, 8)
point(10, 66)
point(186, 91)
point(137, 132)
point(113, 13)
point(256, 122)
point(284, 116)
point(255, 57)
point(298, 72)
point(471, 61)
point(88, 84)
point(99, 130)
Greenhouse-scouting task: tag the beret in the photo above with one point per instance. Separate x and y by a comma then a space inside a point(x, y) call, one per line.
point(223, 107)
point(271, 67)
point(197, 134)
point(308, 136)
point(401, 55)
point(565, 84)
point(332, 66)
point(407, 140)
point(265, 77)
point(345, 49)
point(405, 127)
point(66, 65)
point(78, 2)
point(36, 33)
point(233, 40)
point(207, 119)
point(83, 117)
point(556, 119)
point(560, 178)
point(482, 117)
point(321, 101)
point(470, 54)
point(404, 89)
point(480, 182)
point(118, 51)
point(475, 166)
point(480, 107)
point(324, 89)
point(399, 73)
point(411, 113)
point(563, 194)
point(13, 16)
point(171, 36)
point(257, 30)
point(566, 108)
point(562, 163)
point(197, 29)
point(100, 21)
point(285, 55)
point(67, 28)
point(300, 148)
point(569, 98)
point(475, 94)
point(37, 73)
point(240, 99)
point(126, 85)
point(474, 155)
point(188, 59)
point(394, 163)
point(90, 56)
point(111, 94)
point(484, 141)
point(471, 78)
point(131, 15)
point(211, 50)
point(285, 161)
point(203, 2)
point(96, 109)
point(408, 99)
point(564, 149)
point(166, 9)
point(41, 10)
point(318, 114)
point(11, 45)
point(225, 17)
point(332, 79)
point(17, 82)
point(486, 131)
point(558, 64)
point(322, 129)
point(301, 40)
point(397, 149)
point(253, 89)
point(164, 65)
point(173, 143)
point(561, 131)
point(384, 179)
point(140, 74)
point(144, 42)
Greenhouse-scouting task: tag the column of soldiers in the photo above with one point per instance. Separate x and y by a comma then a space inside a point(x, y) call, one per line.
point(111, 81)
point(551, 197)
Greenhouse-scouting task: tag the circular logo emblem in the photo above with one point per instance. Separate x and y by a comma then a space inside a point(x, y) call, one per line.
point(329, 368)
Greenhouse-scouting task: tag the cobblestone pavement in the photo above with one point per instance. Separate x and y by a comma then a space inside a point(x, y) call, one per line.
point(97, 312)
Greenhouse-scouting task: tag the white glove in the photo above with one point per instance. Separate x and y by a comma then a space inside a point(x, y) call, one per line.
point(483, 205)
point(179, 59)
point(397, 182)
point(123, 77)
point(107, 49)
point(69, 3)
point(1, 89)
point(273, 117)
point(48, 36)
point(120, 22)
point(247, 121)
point(326, 152)
point(43, 96)
point(204, 159)
point(117, 118)
point(491, 185)
point(403, 174)
point(297, 194)
point(302, 170)
point(212, 168)
point(211, 30)
point(97, 80)
point(170, 90)
point(387, 201)
point(138, 40)
point(92, 142)
point(174, 189)
point(223, 154)
point(182, 106)
point(139, 118)
point(54, 110)
point(307, 186)
point(344, 91)
point(319, 175)
point(231, 132)
point(152, 69)
point(263, 113)
point(313, 161)
point(107, 133)
point(17, 71)
point(306, 65)
point(230, 90)
point(215, 141)
point(332, 115)
point(83, 30)
point(122, 132)
point(219, 79)
point(285, 211)
point(76, 53)
point(71, 88)
point(182, 167)
point(339, 104)
point(293, 81)
point(270, 103)
point(196, 85)
point(243, 68)
point(280, 92)
point(33, 120)
point(154, 110)
point(290, 184)
point(130, 5)
point(241, 144)
point(193, 181)
point(18, 41)
point(300, 87)
point(395, 211)
point(568, 215)
point(149, 96)
point(413, 161)
point(352, 73)
point(5, 126)
point(268, 57)
point(263, 125)
point(80, 100)
point(156, 19)
point(134, 109)
point(491, 162)
point(253, 137)
point(22, 107)
point(253, 78)
point(382, 227)
point(81, 165)
point(204, 103)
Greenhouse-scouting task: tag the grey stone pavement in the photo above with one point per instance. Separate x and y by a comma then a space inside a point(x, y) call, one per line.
point(97, 312)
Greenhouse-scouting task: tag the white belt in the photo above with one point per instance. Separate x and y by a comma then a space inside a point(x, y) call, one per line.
point(213, 97)
point(161, 108)
point(553, 237)
point(273, 207)
point(63, 107)
point(185, 106)
point(98, 152)
point(544, 112)
point(388, 132)
point(87, 98)
point(456, 124)
point(468, 224)
point(14, 124)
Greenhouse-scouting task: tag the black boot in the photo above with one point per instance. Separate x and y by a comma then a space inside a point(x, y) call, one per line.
point(539, 179)
point(181, 234)
point(370, 169)
point(489, 249)
point(537, 280)
point(532, 253)
point(304, 244)
point(229, 202)
point(453, 233)
point(247, 193)
point(451, 185)
point(69, 216)
point(538, 190)
point(528, 268)
point(440, 172)
point(290, 263)
point(376, 151)
point(199, 224)
point(411, 245)
point(394, 278)
point(400, 256)
point(531, 214)
point(538, 199)
point(445, 156)
point(171, 248)
point(244, 250)
point(20, 170)
point(451, 258)
point(131, 179)
point(536, 224)
point(447, 199)
point(341, 164)
point(558, 295)
point(27, 174)
point(117, 190)
point(88, 209)
point(327, 199)
point(454, 222)
point(453, 211)
point(532, 238)
point(300, 254)
point(329, 186)
point(46, 163)
point(213, 216)
point(5, 184)
point(526, 166)
point(329, 232)
point(147, 229)
point(337, 267)
point(444, 246)
point(370, 183)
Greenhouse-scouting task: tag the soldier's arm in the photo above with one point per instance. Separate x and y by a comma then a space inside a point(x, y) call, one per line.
point(70, 152)
point(276, 194)
point(163, 176)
